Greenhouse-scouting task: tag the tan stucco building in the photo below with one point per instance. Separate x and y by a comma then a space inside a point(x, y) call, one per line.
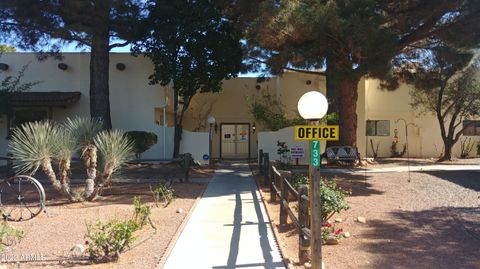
point(136, 105)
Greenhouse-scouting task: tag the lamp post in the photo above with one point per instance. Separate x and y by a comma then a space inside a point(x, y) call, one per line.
point(313, 106)
point(211, 121)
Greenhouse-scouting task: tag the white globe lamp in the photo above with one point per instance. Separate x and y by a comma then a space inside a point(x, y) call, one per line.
point(312, 105)
point(211, 120)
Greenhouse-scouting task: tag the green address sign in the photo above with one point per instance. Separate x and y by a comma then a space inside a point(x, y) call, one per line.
point(315, 155)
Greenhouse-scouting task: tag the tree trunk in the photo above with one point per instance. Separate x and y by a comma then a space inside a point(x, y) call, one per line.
point(50, 173)
point(342, 94)
point(64, 171)
point(178, 128)
point(448, 145)
point(99, 77)
point(347, 110)
point(90, 157)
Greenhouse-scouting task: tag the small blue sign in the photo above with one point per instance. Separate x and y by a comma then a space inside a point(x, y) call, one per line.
point(206, 157)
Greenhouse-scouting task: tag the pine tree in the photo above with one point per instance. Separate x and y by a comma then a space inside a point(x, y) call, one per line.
point(351, 39)
point(100, 25)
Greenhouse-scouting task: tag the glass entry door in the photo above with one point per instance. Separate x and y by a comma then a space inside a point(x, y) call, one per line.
point(235, 141)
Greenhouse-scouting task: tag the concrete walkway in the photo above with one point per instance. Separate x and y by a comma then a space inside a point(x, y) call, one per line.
point(229, 227)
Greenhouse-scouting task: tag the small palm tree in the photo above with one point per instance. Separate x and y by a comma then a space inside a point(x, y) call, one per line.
point(42, 144)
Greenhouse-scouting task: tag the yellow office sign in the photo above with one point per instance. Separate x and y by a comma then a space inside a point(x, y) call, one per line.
point(311, 132)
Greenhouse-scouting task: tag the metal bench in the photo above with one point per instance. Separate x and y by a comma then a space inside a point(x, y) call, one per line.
point(342, 154)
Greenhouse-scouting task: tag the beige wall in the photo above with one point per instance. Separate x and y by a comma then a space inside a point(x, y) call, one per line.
point(133, 103)
point(232, 104)
point(132, 100)
point(424, 139)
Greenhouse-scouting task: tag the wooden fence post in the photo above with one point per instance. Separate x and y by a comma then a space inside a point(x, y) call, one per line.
point(187, 163)
point(10, 172)
point(303, 240)
point(266, 169)
point(260, 161)
point(273, 181)
point(286, 175)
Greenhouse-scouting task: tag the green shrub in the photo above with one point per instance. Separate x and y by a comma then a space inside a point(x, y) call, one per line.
point(105, 241)
point(9, 235)
point(142, 141)
point(163, 193)
point(332, 197)
point(299, 179)
point(141, 214)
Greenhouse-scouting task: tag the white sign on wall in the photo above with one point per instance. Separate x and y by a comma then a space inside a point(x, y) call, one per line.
point(297, 152)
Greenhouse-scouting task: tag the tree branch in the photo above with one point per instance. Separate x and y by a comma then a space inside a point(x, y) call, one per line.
point(321, 73)
point(118, 45)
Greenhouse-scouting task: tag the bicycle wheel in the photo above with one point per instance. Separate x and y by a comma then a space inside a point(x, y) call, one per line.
point(21, 198)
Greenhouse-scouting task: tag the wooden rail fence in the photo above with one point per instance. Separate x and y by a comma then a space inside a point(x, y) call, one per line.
point(281, 188)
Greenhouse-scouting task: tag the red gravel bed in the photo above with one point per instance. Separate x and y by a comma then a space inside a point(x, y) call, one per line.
point(50, 236)
point(431, 222)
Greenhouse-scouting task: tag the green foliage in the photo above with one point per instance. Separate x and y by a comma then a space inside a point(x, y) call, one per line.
point(107, 240)
point(330, 232)
point(115, 148)
point(10, 85)
point(350, 40)
point(193, 47)
point(448, 88)
point(270, 112)
point(466, 147)
point(7, 48)
point(162, 192)
point(9, 235)
point(83, 130)
point(39, 144)
point(282, 148)
point(98, 24)
point(333, 198)
point(141, 213)
point(299, 179)
point(33, 143)
point(142, 141)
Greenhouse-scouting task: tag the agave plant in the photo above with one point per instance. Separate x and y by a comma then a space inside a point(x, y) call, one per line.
point(40, 144)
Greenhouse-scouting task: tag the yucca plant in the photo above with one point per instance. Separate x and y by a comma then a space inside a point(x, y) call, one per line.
point(115, 148)
point(35, 145)
point(40, 144)
point(83, 130)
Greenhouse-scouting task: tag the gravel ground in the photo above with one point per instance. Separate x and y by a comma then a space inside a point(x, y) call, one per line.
point(49, 237)
point(431, 222)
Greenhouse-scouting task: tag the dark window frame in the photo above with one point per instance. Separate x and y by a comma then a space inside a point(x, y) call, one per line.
point(375, 128)
point(12, 121)
point(474, 126)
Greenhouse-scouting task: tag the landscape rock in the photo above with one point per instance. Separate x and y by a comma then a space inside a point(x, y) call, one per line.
point(179, 211)
point(362, 219)
point(338, 220)
point(78, 249)
point(309, 265)
point(346, 234)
